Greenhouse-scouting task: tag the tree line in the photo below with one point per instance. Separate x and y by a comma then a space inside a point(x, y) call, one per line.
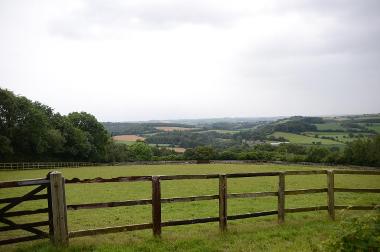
point(31, 131)
point(359, 152)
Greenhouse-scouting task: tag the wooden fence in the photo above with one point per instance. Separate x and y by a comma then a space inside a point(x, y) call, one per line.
point(42, 165)
point(57, 208)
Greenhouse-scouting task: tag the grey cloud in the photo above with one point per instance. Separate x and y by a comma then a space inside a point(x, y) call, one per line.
point(141, 15)
point(355, 29)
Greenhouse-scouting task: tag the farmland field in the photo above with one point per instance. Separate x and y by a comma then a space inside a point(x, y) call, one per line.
point(301, 139)
point(301, 231)
point(329, 126)
point(128, 138)
point(174, 128)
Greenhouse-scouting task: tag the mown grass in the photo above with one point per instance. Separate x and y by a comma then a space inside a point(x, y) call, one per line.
point(301, 232)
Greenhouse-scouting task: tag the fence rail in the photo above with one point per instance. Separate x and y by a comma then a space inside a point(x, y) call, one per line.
point(42, 165)
point(57, 208)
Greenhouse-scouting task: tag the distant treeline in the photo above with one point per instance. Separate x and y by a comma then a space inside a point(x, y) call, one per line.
point(31, 131)
point(358, 152)
point(124, 128)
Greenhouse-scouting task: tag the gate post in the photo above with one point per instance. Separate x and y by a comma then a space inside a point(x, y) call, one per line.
point(58, 229)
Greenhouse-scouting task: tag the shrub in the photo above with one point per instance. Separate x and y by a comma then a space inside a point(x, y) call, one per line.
point(356, 234)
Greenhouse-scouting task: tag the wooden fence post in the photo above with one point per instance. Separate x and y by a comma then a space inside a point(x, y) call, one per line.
point(156, 206)
point(57, 210)
point(330, 194)
point(281, 198)
point(223, 202)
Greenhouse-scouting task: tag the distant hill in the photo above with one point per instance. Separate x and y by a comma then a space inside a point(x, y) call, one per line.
point(234, 132)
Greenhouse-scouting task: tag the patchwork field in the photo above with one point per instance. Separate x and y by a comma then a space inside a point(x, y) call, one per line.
point(174, 128)
point(301, 139)
point(329, 126)
point(301, 231)
point(128, 138)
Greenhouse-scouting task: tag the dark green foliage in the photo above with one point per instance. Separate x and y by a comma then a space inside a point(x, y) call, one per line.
point(125, 128)
point(295, 127)
point(363, 152)
point(190, 139)
point(312, 120)
point(116, 152)
point(96, 134)
point(251, 135)
point(31, 131)
point(200, 153)
point(317, 154)
point(228, 155)
point(140, 151)
point(356, 234)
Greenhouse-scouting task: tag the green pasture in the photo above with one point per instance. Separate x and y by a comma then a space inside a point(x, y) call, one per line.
point(301, 139)
point(301, 231)
point(329, 126)
point(125, 142)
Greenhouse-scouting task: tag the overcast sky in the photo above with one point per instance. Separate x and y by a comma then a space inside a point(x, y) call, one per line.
point(140, 60)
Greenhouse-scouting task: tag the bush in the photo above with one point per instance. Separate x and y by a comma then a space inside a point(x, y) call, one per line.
point(356, 234)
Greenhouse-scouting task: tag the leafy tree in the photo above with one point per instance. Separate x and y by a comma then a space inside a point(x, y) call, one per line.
point(96, 134)
point(140, 151)
point(363, 151)
point(316, 154)
point(204, 153)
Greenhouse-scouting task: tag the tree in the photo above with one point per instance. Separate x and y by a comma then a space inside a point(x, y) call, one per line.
point(363, 152)
point(96, 134)
point(140, 151)
point(204, 153)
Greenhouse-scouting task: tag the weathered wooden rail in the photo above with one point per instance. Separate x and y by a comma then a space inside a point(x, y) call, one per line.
point(57, 208)
point(42, 165)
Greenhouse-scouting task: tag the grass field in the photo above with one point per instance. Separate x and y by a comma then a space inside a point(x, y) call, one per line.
point(125, 142)
point(175, 129)
point(329, 126)
point(301, 231)
point(301, 139)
